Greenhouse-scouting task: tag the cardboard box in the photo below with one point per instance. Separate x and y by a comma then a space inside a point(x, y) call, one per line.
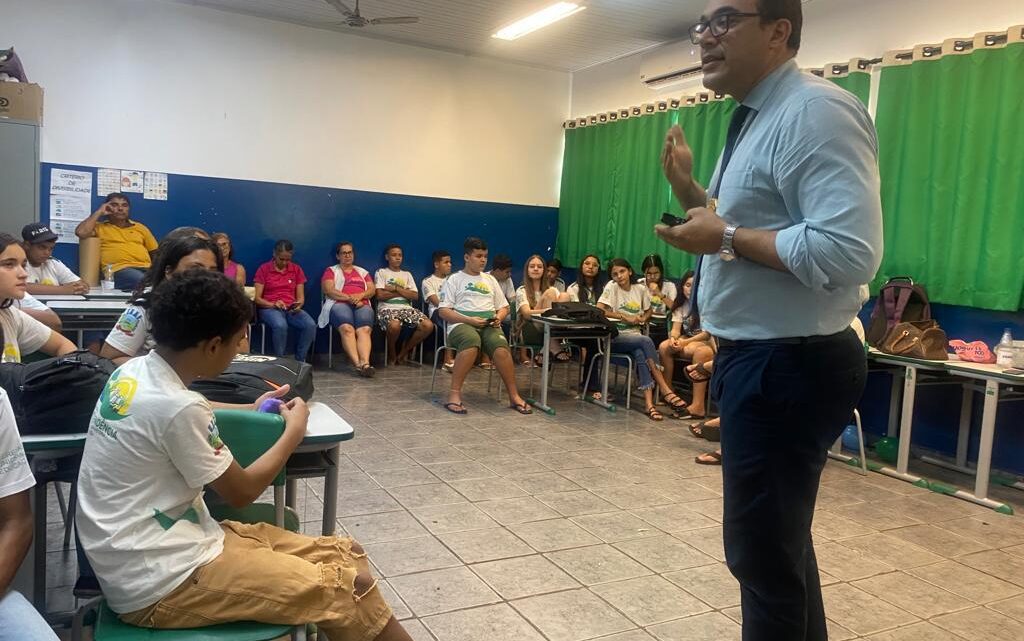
point(21, 101)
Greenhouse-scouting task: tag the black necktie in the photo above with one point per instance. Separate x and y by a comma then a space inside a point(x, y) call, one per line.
point(735, 127)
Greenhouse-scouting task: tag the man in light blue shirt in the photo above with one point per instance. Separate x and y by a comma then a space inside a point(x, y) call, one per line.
point(786, 234)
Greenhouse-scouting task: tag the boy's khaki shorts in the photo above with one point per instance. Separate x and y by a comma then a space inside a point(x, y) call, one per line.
point(271, 575)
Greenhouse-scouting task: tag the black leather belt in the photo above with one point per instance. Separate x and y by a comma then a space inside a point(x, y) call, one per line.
point(797, 340)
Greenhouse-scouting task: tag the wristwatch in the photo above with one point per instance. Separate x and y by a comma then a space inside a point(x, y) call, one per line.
point(726, 252)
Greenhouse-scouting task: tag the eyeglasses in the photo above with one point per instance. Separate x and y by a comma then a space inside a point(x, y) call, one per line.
point(718, 25)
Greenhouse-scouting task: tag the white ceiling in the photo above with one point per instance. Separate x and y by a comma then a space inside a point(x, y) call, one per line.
point(607, 30)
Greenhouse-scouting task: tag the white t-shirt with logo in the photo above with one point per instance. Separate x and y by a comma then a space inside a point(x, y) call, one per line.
point(507, 287)
point(15, 474)
point(29, 302)
point(658, 304)
point(432, 287)
point(132, 334)
point(522, 300)
point(635, 300)
point(22, 334)
point(474, 294)
point(387, 278)
point(51, 272)
point(152, 446)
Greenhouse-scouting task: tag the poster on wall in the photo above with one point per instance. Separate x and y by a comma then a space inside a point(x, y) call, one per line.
point(107, 181)
point(65, 230)
point(155, 186)
point(71, 183)
point(131, 181)
point(70, 202)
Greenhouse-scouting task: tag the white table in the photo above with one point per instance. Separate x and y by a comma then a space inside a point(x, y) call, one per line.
point(82, 315)
point(324, 433)
point(99, 293)
point(572, 330)
point(49, 297)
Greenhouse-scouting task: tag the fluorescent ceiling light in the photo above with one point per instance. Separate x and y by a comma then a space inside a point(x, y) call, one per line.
point(538, 20)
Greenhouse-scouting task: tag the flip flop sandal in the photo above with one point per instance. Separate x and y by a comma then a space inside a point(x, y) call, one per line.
point(697, 429)
point(698, 373)
point(680, 405)
point(689, 416)
point(563, 357)
point(711, 433)
point(522, 408)
point(716, 458)
point(450, 407)
point(654, 414)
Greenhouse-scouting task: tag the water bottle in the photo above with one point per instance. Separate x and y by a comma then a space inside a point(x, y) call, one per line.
point(108, 277)
point(1004, 350)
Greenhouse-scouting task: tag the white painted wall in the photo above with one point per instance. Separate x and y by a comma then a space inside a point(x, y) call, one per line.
point(834, 31)
point(162, 86)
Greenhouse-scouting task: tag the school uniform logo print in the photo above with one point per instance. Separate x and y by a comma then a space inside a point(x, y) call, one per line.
point(479, 288)
point(117, 396)
point(213, 437)
point(129, 322)
point(631, 307)
point(11, 353)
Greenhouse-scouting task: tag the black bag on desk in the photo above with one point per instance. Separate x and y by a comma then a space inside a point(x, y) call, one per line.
point(56, 395)
point(581, 313)
point(250, 376)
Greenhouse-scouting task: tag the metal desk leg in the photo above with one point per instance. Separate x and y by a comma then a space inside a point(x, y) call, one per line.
point(906, 428)
point(988, 430)
point(966, 404)
point(542, 405)
point(331, 490)
point(39, 545)
point(894, 405)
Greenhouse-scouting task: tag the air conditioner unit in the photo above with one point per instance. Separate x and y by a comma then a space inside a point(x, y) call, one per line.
point(670, 64)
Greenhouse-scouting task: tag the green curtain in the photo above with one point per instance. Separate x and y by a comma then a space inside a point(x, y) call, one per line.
point(858, 83)
point(950, 138)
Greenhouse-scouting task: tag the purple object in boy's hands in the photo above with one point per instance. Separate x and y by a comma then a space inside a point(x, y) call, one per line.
point(271, 406)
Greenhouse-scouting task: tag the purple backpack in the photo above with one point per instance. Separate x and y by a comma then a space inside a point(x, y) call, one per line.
point(899, 300)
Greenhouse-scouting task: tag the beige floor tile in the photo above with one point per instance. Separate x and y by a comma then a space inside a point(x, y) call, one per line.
point(573, 615)
point(673, 518)
point(487, 623)
point(938, 540)
point(410, 555)
point(593, 477)
point(389, 526)
point(476, 546)
point(912, 594)
point(366, 502)
point(837, 632)
point(712, 584)
point(519, 510)
point(417, 630)
point(628, 497)
point(888, 549)
point(832, 527)
point(414, 496)
point(554, 534)
point(487, 489)
point(523, 576)
point(981, 624)
point(632, 635)
point(459, 517)
point(616, 526)
point(708, 540)
point(703, 627)
point(861, 612)
point(597, 564)
point(403, 477)
point(664, 554)
point(915, 632)
point(649, 600)
point(576, 503)
point(966, 582)
point(1013, 607)
point(994, 530)
point(846, 564)
point(997, 563)
point(878, 515)
point(398, 606)
point(544, 482)
point(438, 591)
point(429, 455)
point(460, 471)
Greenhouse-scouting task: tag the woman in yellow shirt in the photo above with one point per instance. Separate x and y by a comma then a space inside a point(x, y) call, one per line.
point(125, 245)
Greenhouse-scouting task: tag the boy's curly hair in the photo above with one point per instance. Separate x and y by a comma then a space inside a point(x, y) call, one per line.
point(196, 306)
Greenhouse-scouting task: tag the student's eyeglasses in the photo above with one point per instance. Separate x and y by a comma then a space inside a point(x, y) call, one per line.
point(718, 25)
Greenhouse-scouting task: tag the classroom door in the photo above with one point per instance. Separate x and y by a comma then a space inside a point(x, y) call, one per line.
point(19, 175)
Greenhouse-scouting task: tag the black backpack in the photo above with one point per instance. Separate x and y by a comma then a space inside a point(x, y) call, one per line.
point(249, 376)
point(56, 395)
point(900, 300)
point(581, 313)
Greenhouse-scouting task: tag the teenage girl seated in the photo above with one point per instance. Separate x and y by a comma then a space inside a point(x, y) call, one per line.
point(22, 334)
point(663, 295)
point(629, 305)
point(131, 335)
point(587, 288)
point(534, 297)
point(687, 340)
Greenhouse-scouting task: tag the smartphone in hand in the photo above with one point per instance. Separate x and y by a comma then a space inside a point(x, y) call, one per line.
point(672, 220)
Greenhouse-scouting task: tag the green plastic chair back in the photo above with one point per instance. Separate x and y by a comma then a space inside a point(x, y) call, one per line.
point(110, 628)
point(249, 434)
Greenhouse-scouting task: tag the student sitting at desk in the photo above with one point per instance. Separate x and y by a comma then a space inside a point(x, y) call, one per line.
point(18, 619)
point(687, 340)
point(21, 333)
point(587, 288)
point(535, 296)
point(46, 274)
point(125, 245)
point(473, 307)
point(431, 287)
point(629, 305)
point(396, 289)
point(161, 559)
point(132, 335)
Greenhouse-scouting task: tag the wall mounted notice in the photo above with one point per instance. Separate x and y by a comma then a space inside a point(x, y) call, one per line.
point(107, 181)
point(70, 202)
point(131, 181)
point(155, 186)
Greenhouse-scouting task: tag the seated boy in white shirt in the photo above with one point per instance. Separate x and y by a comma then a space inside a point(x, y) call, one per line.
point(46, 274)
point(160, 558)
point(474, 307)
point(431, 289)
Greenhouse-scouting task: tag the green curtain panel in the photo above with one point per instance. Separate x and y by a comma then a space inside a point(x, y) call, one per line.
point(950, 138)
point(858, 83)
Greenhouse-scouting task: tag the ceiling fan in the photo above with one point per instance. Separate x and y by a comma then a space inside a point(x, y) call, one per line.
point(354, 19)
